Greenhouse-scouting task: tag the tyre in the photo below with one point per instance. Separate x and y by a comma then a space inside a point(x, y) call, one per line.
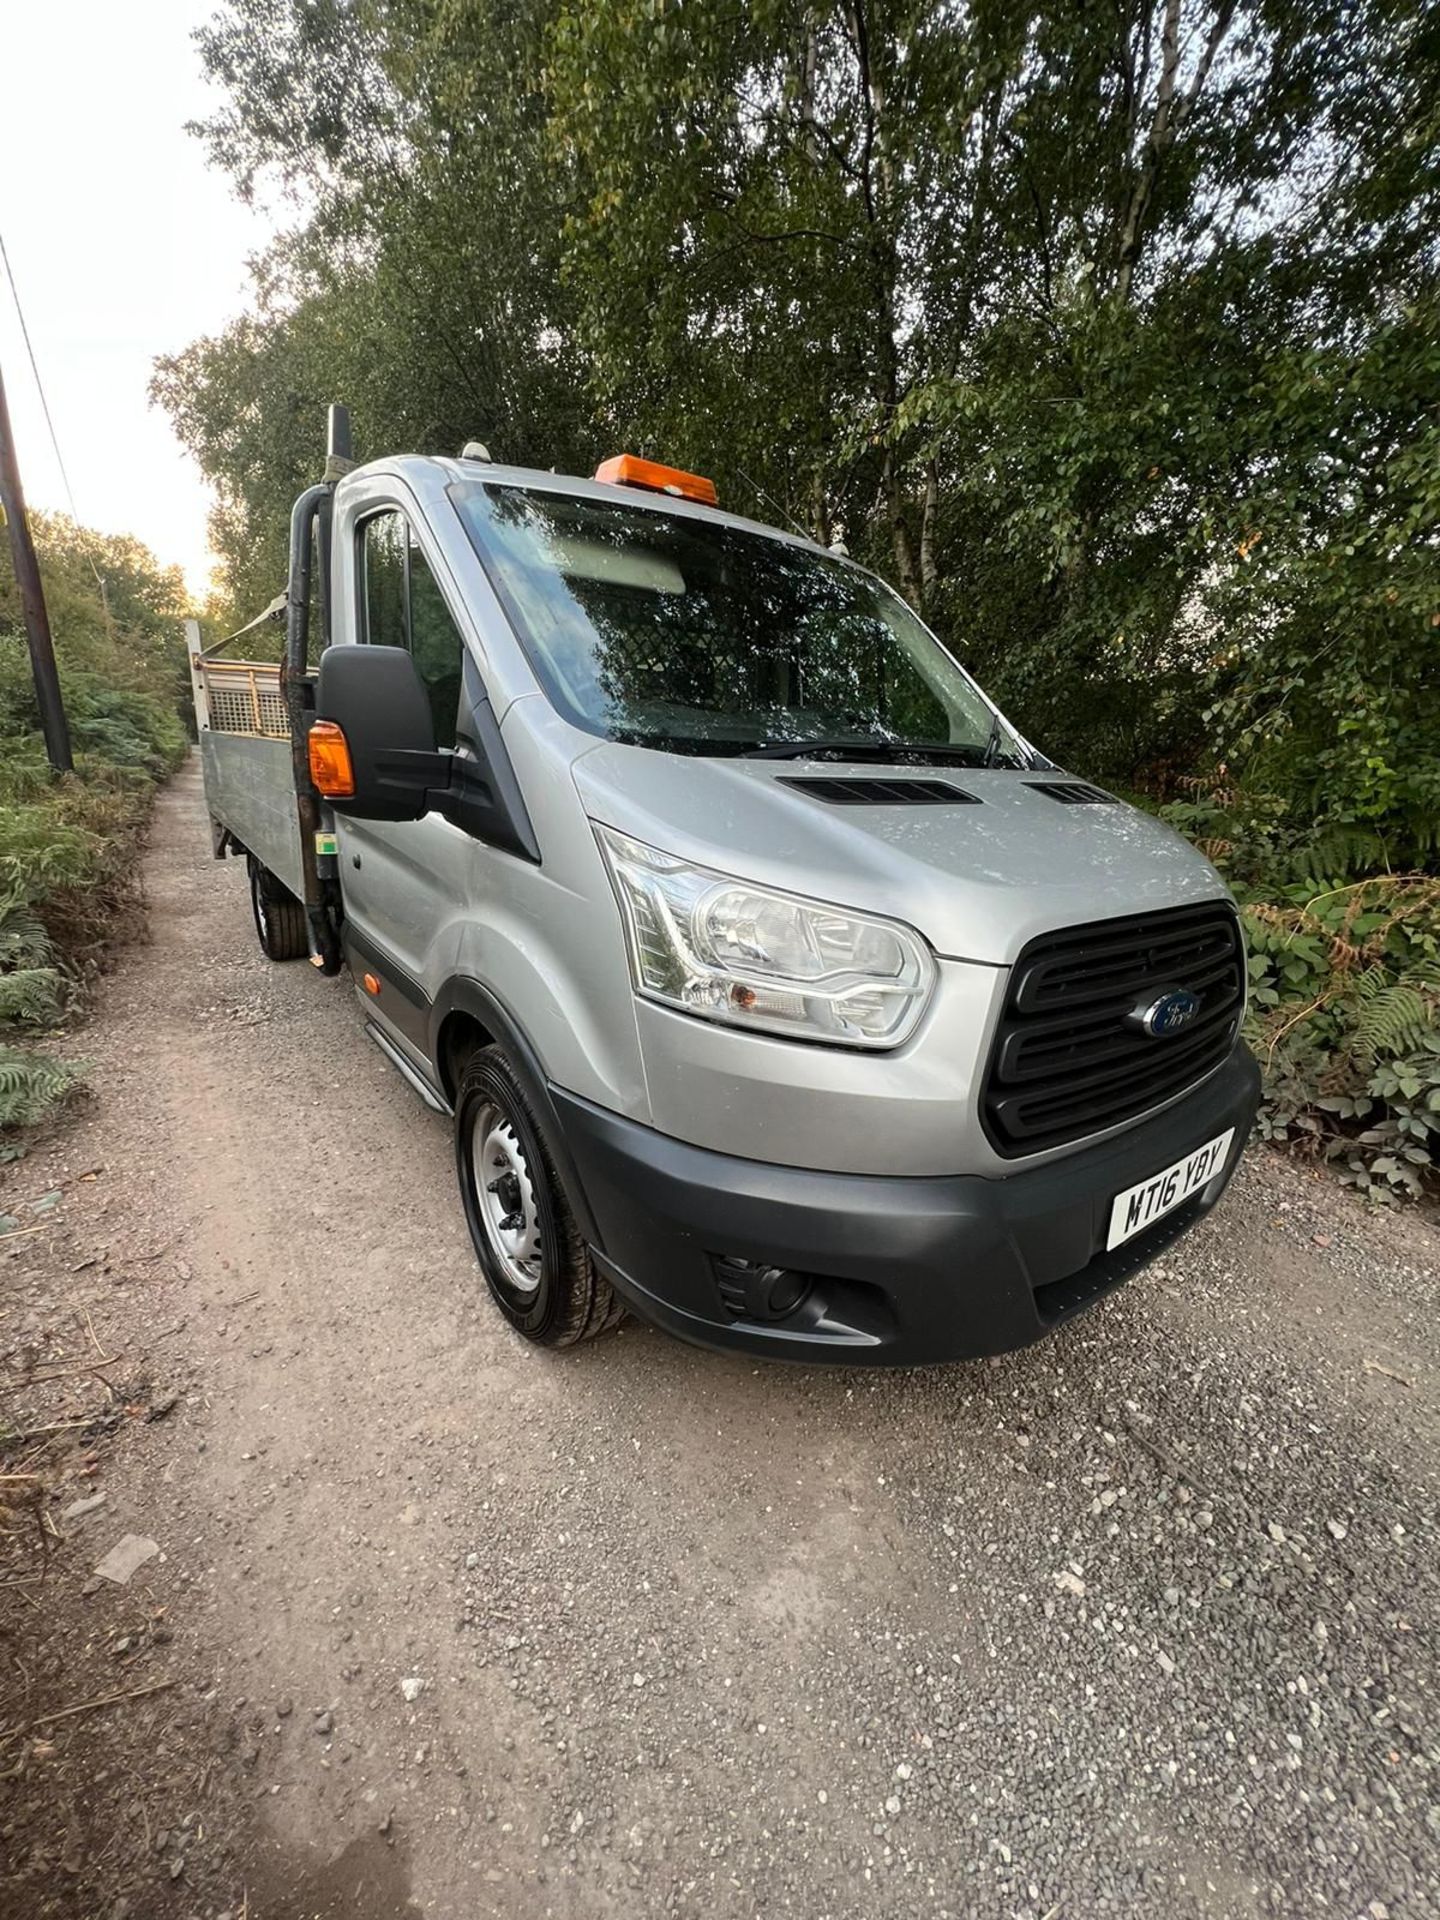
point(279, 916)
point(533, 1256)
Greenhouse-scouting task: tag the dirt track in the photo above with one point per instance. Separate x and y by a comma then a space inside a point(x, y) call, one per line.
point(1138, 1622)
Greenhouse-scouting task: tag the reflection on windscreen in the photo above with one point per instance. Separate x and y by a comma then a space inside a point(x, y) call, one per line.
point(668, 631)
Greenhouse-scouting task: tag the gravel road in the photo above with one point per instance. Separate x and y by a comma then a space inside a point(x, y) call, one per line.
point(1137, 1622)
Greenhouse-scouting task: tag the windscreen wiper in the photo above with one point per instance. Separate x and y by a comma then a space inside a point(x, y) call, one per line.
point(1013, 757)
point(888, 752)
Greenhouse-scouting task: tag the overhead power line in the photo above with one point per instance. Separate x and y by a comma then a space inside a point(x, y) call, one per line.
point(39, 383)
point(50, 420)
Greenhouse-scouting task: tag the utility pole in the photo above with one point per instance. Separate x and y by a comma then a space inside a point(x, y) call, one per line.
point(32, 600)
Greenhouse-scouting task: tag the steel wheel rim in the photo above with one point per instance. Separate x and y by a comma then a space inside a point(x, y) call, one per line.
point(262, 908)
point(505, 1201)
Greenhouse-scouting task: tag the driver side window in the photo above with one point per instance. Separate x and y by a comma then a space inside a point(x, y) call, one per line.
point(404, 607)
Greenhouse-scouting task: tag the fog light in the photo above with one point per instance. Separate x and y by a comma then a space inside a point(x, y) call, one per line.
point(752, 1290)
point(786, 1290)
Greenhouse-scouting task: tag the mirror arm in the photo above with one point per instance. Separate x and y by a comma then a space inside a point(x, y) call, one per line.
point(475, 803)
point(460, 790)
point(403, 773)
point(405, 769)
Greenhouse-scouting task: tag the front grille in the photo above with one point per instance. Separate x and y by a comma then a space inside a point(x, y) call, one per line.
point(1071, 1057)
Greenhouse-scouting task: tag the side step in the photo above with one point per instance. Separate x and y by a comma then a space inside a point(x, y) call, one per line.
point(411, 1073)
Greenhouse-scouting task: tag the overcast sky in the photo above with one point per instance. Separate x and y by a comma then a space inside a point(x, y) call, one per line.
point(124, 245)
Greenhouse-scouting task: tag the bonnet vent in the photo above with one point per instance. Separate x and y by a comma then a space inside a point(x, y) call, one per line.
point(884, 793)
point(1073, 793)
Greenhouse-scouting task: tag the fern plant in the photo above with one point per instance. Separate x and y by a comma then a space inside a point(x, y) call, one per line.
point(1345, 1017)
point(23, 939)
point(31, 1085)
point(29, 996)
point(1390, 1016)
point(29, 983)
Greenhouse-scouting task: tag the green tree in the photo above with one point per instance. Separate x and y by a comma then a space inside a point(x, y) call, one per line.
point(1109, 333)
point(117, 615)
point(423, 286)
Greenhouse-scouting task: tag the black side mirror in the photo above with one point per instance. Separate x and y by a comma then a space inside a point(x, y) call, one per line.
point(376, 697)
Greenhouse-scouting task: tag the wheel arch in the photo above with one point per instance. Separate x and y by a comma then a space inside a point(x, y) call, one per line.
point(466, 1016)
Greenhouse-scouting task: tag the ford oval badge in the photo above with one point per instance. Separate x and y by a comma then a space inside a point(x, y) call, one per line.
point(1171, 1012)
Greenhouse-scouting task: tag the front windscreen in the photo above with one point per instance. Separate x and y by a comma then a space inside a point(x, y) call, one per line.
point(667, 630)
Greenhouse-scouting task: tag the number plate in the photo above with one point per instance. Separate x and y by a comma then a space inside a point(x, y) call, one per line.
point(1139, 1207)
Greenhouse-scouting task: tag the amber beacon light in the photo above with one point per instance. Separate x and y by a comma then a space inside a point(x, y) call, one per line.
point(628, 470)
point(330, 767)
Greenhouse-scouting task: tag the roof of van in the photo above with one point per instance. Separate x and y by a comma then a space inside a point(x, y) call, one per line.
point(543, 479)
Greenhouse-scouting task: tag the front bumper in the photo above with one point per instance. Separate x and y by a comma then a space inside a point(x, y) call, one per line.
point(901, 1271)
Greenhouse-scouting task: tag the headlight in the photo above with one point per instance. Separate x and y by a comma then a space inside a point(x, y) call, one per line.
point(751, 957)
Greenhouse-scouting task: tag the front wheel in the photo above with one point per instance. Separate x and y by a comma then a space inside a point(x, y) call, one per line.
point(533, 1256)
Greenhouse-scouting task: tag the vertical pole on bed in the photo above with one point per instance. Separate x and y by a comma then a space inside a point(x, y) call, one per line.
point(197, 676)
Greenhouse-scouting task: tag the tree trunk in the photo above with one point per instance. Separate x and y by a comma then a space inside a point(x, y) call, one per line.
point(878, 182)
point(929, 573)
point(1170, 114)
point(899, 530)
point(820, 509)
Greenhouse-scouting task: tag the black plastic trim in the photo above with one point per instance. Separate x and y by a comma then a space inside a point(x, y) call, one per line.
point(410, 989)
point(501, 819)
point(903, 1271)
point(408, 1005)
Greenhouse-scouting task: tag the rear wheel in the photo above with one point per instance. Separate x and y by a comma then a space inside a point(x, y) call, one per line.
point(279, 916)
point(533, 1256)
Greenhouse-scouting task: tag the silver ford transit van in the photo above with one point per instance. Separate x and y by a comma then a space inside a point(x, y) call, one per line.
point(778, 988)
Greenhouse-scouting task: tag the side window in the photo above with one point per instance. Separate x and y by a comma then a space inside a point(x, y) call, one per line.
point(436, 645)
point(404, 608)
point(383, 548)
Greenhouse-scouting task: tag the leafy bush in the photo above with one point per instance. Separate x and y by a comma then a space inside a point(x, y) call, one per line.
point(40, 852)
point(67, 844)
point(30, 994)
point(1345, 1017)
point(29, 983)
point(112, 728)
point(1344, 985)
